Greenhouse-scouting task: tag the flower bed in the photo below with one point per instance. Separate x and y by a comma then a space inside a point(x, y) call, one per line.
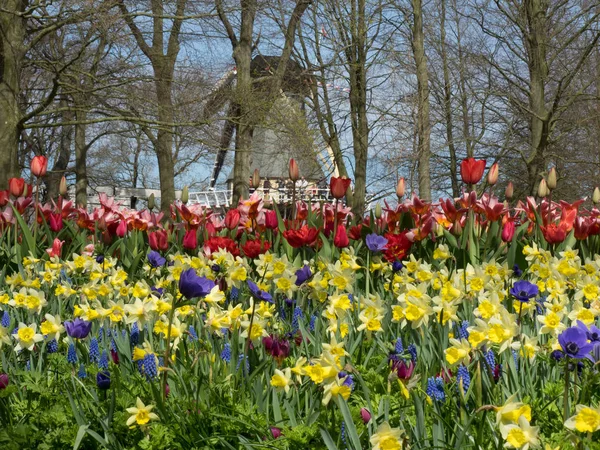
point(459, 324)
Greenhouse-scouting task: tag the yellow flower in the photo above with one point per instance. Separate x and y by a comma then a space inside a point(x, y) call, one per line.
point(587, 419)
point(26, 337)
point(336, 388)
point(512, 411)
point(282, 379)
point(141, 414)
point(387, 438)
point(520, 436)
point(459, 352)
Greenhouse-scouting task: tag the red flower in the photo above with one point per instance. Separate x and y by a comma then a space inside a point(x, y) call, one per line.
point(39, 166)
point(303, 236)
point(471, 170)
point(190, 240)
point(4, 196)
point(338, 186)
point(232, 219)
point(158, 240)
point(294, 172)
point(216, 242)
point(341, 238)
point(582, 228)
point(55, 221)
point(508, 231)
point(398, 246)
point(253, 248)
point(271, 220)
point(355, 232)
point(554, 234)
point(121, 229)
point(56, 248)
point(15, 186)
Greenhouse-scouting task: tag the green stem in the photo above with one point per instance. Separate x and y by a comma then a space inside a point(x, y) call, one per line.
point(168, 351)
point(566, 392)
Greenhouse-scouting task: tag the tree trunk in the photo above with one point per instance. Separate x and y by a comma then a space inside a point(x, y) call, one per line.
point(358, 106)
point(12, 35)
point(54, 175)
point(81, 149)
point(164, 137)
point(539, 118)
point(448, 103)
point(423, 122)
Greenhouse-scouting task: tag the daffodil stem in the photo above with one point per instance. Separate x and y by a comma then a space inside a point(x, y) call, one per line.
point(168, 351)
point(247, 346)
point(566, 392)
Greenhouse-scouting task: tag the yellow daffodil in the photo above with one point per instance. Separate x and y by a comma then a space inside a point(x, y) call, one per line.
point(141, 414)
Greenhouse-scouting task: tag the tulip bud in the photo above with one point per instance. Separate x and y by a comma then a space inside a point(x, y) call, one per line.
point(62, 187)
point(492, 177)
point(4, 381)
point(16, 186)
point(509, 191)
point(400, 188)
point(365, 415)
point(39, 166)
point(378, 211)
point(456, 228)
point(543, 189)
point(122, 229)
point(508, 231)
point(256, 179)
point(551, 181)
point(151, 202)
point(596, 195)
point(294, 172)
point(185, 195)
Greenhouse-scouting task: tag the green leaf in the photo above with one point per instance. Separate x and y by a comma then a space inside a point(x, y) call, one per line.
point(350, 428)
point(80, 436)
point(327, 440)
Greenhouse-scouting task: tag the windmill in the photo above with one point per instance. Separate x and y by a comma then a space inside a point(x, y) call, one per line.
point(284, 133)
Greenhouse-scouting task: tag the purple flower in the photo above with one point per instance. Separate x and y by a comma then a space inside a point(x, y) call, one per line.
point(397, 266)
point(592, 333)
point(78, 328)
point(574, 343)
point(192, 286)
point(155, 259)
point(523, 290)
point(4, 381)
point(302, 275)
point(103, 380)
point(375, 242)
point(257, 293)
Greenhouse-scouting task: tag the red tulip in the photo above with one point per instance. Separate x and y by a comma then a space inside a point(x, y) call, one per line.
point(55, 222)
point(509, 191)
point(232, 219)
point(582, 228)
point(253, 248)
point(4, 196)
point(341, 238)
point(121, 229)
point(554, 234)
point(39, 166)
point(338, 186)
point(403, 369)
point(294, 172)
point(158, 240)
point(303, 236)
point(16, 186)
point(190, 240)
point(56, 248)
point(275, 432)
point(471, 170)
point(508, 231)
point(271, 220)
